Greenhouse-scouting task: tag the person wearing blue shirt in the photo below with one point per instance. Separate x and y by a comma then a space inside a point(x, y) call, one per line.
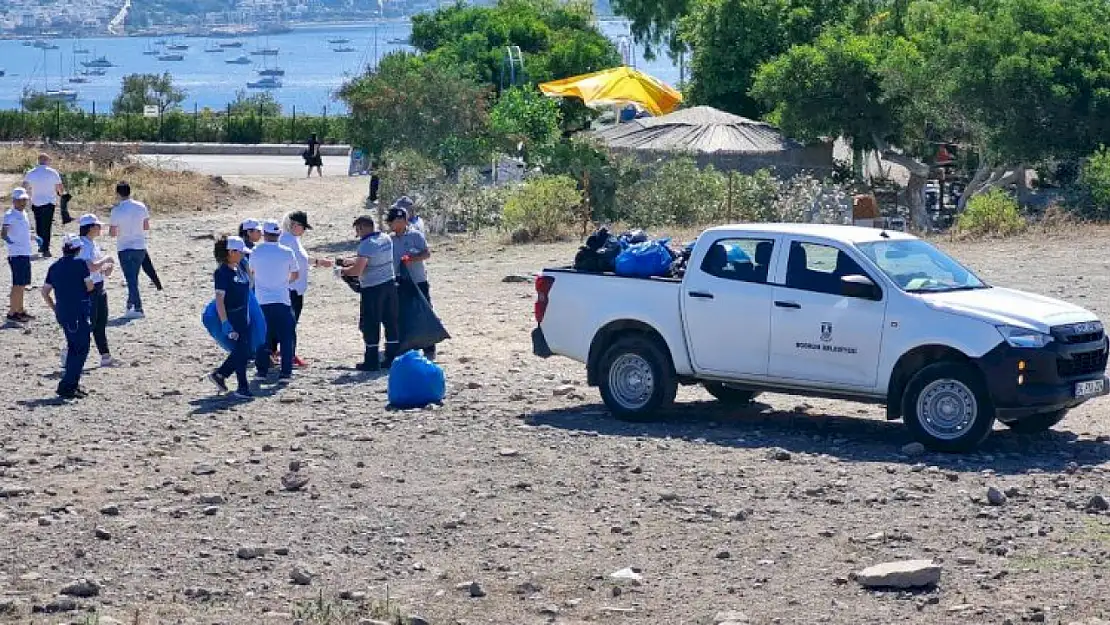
point(67, 291)
point(232, 298)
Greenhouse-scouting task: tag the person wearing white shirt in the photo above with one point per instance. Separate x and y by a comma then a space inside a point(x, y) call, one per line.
point(100, 266)
point(275, 268)
point(129, 223)
point(44, 183)
point(16, 233)
point(293, 227)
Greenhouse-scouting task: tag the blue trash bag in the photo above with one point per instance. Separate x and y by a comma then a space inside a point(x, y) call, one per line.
point(645, 260)
point(211, 321)
point(415, 381)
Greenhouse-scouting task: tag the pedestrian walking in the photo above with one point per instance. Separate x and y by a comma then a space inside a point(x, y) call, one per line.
point(66, 291)
point(313, 158)
point(16, 233)
point(44, 183)
point(275, 267)
point(410, 251)
point(378, 294)
point(232, 297)
point(129, 224)
point(294, 226)
point(100, 266)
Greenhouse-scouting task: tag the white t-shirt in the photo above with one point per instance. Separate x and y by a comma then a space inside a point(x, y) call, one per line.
point(272, 264)
point(128, 216)
point(91, 253)
point(19, 231)
point(43, 181)
point(294, 243)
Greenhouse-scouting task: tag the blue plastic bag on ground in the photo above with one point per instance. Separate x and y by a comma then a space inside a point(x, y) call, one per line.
point(415, 381)
point(645, 260)
point(211, 321)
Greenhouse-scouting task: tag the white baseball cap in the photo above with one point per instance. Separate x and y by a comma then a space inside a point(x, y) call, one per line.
point(236, 244)
point(71, 241)
point(89, 219)
point(249, 224)
point(19, 193)
point(271, 227)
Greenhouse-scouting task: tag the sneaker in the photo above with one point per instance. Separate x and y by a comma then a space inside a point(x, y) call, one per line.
point(106, 360)
point(299, 362)
point(14, 318)
point(369, 367)
point(134, 314)
point(219, 380)
point(25, 317)
point(242, 393)
point(68, 393)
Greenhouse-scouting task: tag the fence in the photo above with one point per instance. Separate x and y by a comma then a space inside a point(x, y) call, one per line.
point(232, 125)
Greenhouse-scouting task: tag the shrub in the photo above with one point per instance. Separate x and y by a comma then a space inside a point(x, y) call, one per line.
point(675, 193)
point(542, 209)
point(1093, 201)
point(594, 167)
point(994, 213)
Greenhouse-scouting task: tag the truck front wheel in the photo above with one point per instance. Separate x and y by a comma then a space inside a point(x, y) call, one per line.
point(636, 378)
point(947, 408)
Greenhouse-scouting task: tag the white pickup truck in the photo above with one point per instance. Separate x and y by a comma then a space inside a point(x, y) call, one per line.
point(829, 311)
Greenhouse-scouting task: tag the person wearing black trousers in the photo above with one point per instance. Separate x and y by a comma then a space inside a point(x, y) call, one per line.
point(100, 267)
point(378, 294)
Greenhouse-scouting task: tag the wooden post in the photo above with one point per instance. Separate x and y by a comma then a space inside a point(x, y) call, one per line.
point(728, 205)
point(587, 212)
point(196, 114)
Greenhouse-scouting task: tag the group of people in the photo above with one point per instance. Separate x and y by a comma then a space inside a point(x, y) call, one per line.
point(269, 259)
point(74, 287)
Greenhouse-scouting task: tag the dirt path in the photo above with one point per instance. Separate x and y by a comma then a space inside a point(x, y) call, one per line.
point(157, 492)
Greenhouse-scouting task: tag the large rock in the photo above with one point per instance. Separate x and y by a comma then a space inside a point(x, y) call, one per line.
point(904, 574)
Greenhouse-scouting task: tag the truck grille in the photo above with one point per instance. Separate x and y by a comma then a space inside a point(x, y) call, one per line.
point(1084, 363)
point(1077, 333)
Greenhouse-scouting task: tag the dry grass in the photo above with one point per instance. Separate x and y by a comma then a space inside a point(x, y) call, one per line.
point(92, 174)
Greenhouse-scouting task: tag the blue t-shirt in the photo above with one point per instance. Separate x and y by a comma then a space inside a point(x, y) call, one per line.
point(235, 285)
point(71, 296)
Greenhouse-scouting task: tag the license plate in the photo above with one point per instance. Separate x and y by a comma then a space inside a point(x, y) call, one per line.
point(1089, 389)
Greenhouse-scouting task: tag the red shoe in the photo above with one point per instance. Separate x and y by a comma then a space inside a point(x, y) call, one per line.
point(299, 362)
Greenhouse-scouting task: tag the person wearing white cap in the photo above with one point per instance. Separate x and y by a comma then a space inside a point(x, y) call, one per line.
point(275, 268)
point(100, 266)
point(293, 227)
point(66, 291)
point(232, 299)
point(250, 230)
point(16, 232)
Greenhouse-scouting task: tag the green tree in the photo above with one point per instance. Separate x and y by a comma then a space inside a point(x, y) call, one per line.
point(262, 103)
point(422, 104)
point(526, 118)
point(140, 90)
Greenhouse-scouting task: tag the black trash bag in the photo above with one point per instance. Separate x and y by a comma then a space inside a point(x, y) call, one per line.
point(607, 256)
point(420, 326)
point(632, 237)
point(66, 218)
point(598, 239)
point(586, 260)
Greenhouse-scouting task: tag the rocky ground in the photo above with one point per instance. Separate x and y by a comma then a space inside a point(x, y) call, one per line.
point(519, 500)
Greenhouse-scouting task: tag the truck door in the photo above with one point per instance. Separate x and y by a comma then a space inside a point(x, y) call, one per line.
point(817, 333)
point(727, 307)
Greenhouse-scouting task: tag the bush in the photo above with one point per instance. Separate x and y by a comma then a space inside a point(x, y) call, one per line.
point(542, 209)
point(601, 172)
point(676, 193)
point(1093, 201)
point(994, 213)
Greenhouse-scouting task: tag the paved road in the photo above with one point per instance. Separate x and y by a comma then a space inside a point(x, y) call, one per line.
point(223, 165)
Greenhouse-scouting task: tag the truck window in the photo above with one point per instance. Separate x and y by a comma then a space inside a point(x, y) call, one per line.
point(819, 268)
point(742, 260)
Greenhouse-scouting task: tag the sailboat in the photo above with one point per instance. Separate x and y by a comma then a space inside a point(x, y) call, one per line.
point(266, 50)
point(270, 72)
point(268, 82)
point(81, 50)
point(51, 95)
point(242, 59)
point(178, 47)
point(74, 77)
point(150, 50)
point(100, 61)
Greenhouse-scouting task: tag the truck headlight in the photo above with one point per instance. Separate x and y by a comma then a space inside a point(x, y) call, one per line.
point(1024, 337)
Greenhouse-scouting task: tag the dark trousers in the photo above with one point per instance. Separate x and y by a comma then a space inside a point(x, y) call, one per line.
point(298, 304)
point(148, 269)
point(378, 309)
point(132, 263)
point(240, 356)
point(281, 329)
point(44, 224)
point(404, 289)
point(99, 315)
point(77, 352)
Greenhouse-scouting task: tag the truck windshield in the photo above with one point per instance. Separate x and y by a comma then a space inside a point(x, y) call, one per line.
point(918, 267)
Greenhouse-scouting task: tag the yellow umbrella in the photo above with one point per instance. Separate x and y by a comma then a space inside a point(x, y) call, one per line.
point(619, 85)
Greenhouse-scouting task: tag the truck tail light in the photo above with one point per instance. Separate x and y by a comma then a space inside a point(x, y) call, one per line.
point(543, 288)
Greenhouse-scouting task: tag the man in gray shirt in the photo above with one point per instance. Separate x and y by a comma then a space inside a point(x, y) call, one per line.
point(410, 250)
point(378, 295)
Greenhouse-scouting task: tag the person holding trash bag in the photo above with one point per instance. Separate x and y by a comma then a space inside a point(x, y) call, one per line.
point(378, 295)
point(274, 267)
point(410, 250)
point(232, 299)
point(66, 291)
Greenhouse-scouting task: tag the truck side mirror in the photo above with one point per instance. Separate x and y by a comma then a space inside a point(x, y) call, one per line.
point(860, 287)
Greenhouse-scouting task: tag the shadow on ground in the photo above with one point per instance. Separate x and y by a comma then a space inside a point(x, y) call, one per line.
point(851, 439)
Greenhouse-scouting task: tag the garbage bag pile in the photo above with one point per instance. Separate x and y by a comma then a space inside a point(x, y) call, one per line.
point(631, 254)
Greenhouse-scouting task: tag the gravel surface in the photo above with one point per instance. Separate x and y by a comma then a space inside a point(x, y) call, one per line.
point(519, 500)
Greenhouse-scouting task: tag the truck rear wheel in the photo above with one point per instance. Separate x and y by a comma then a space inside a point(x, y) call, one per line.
point(947, 408)
point(1038, 422)
point(636, 378)
point(729, 395)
